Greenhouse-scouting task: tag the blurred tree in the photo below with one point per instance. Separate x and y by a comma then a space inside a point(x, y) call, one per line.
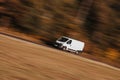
point(96, 22)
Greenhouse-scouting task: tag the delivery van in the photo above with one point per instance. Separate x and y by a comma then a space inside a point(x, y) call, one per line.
point(69, 44)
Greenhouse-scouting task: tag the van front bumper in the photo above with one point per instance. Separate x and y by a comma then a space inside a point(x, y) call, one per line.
point(58, 45)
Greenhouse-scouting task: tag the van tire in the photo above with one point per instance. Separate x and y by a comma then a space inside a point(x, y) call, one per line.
point(78, 52)
point(64, 48)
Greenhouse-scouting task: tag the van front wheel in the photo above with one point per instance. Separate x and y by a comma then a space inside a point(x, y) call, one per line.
point(64, 48)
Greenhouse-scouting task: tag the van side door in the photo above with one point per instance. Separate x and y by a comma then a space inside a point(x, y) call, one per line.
point(69, 44)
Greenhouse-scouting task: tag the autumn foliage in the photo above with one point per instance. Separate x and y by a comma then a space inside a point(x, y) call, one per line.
point(96, 22)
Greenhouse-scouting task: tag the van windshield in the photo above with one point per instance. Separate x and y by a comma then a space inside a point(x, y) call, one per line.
point(63, 39)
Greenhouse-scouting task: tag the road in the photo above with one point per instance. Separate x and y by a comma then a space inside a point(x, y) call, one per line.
point(22, 60)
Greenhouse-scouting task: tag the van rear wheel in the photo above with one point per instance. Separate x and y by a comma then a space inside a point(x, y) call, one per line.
point(77, 52)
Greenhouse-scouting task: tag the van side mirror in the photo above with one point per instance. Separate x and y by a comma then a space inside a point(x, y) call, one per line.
point(69, 42)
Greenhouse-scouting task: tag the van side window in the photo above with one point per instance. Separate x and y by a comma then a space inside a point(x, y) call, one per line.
point(69, 42)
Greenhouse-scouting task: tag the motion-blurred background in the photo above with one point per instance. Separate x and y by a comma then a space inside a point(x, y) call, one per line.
point(96, 22)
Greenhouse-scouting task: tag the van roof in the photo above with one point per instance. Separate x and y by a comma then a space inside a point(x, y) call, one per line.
point(71, 38)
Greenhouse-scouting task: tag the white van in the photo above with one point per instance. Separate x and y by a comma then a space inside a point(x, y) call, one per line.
point(69, 44)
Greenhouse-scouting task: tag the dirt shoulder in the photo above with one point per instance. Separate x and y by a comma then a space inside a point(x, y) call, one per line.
point(22, 60)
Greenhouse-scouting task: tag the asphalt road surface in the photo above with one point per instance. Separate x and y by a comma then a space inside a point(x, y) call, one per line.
point(22, 60)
